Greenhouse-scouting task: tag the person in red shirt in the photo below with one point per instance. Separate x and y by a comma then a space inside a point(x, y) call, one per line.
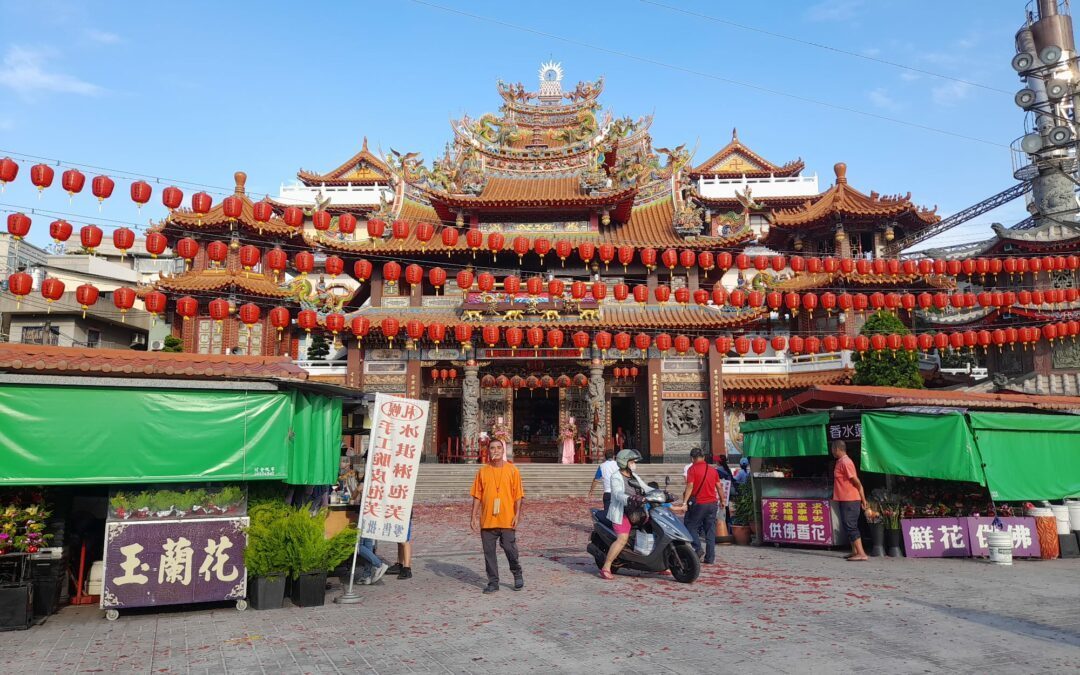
point(702, 496)
point(849, 497)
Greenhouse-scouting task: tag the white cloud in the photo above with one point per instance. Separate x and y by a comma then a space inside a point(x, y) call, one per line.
point(908, 76)
point(6, 124)
point(25, 71)
point(950, 93)
point(881, 99)
point(102, 36)
point(834, 10)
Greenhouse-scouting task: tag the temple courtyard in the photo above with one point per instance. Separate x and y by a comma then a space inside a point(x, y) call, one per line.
point(758, 610)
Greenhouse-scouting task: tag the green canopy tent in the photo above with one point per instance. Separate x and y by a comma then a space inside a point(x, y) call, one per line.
point(797, 436)
point(79, 434)
point(1029, 456)
point(920, 445)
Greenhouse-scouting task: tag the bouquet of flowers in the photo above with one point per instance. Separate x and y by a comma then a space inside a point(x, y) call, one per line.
point(22, 528)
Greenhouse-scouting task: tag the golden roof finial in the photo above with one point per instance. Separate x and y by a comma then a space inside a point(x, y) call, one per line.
point(841, 172)
point(241, 179)
point(734, 135)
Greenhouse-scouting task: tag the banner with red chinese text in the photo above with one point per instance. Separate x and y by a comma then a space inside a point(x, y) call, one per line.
point(170, 562)
point(398, 432)
point(796, 521)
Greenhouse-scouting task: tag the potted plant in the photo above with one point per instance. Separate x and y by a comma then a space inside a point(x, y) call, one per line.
point(265, 556)
point(310, 555)
point(140, 505)
point(877, 530)
point(890, 514)
point(121, 505)
point(743, 515)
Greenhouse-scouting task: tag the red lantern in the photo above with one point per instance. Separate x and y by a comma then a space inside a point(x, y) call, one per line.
point(797, 344)
point(73, 181)
point(580, 339)
point(293, 216)
point(414, 329)
point(485, 282)
point(391, 271)
point(521, 247)
point(809, 302)
point(262, 211)
point(123, 239)
point(172, 197)
point(474, 239)
point(187, 307)
point(362, 270)
point(812, 345)
point(737, 298)
point(847, 265)
point(828, 301)
point(20, 284)
point(276, 261)
point(682, 344)
point(250, 313)
point(449, 237)
point(779, 343)
point(280, 319)
point(400, 231)
point(723, 345)
point(304, 262)
point(218, 309)
point(670, 258)
point(361, 326)
point(333, 265)
point(626, 256)
point(90, 237)
point(375, 228)
point(910, 343)
point(52, 289)
point(535, 337)
point(555, 338)
point(687, 259)
point(102, 187)
point(778, 263)
point(414, 274)
point(682, 295)
point(542, 247)
point(335, 322)
point(437, 277)
point(511, 285)
point(663, 342)
point(862, 343)
point(321, 220)
point(759, 345)
point(232, 206)
point(641, 293)
point(662, 293)
point(813, 265)
point(577, 290)
point(792, 300)
point(602, 340)
point(18, 225)
point(755, 298)
point(200, 203)
point(464, 279)
point(831, 343)
point(648, 258)
point(250, 256)
point(60, 231)
point(701, 296)
point(599, 290)
point(154, 301)
point(555, 288)
point(622, 292)
point(878, 342)
point(496, 243)
point(642, 341)
point(346, 223)
point(622, 341)
point(390, 327)
point(9, 169)
point(490, 335)
point(742, 345)
point(41, 175)
point(701, 346)
point(123, 300)
point(463, 334)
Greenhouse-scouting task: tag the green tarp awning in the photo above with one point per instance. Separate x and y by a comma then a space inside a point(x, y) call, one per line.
point(1029, 456)
point(923, 446)
point(54, 435)
point(798, 436)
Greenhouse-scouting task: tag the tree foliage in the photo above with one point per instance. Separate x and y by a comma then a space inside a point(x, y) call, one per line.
point(173, 344)
point(319, 347)
point(885, 368)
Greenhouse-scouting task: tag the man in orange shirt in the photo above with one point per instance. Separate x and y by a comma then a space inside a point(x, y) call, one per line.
point(497, 495)
point(850, 498)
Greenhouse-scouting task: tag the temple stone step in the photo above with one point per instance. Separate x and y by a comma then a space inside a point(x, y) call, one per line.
point(442, 482)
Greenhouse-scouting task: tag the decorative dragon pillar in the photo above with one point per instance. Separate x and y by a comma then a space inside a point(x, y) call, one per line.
point(470, 404)
point(597, 419)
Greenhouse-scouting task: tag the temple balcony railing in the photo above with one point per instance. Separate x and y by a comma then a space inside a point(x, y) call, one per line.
point(322, 367)
point(304, 195)
point(785, 364)
point(772, 186)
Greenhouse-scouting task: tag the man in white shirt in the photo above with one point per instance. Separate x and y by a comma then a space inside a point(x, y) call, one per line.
point(603, 476)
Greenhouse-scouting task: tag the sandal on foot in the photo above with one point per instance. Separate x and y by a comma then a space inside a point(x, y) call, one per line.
point(604, 574)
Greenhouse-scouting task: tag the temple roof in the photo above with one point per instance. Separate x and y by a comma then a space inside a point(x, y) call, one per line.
point(1049, 234)
point(203, 281)
point(537, 191)
point(785, 380)
point(363, 168)
point(215, 219)
point(842, 202)
point(735, 160)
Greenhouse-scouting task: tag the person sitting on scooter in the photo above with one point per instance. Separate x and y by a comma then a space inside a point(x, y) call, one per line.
point(625, 484)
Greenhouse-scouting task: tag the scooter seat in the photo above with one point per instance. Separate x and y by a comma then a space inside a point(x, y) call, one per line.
point(601, 517)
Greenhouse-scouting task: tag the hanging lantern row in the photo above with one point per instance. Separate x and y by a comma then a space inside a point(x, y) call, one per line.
point(625, 374)
point(744, 400)
point(444, 375)
point(73, 181)
point(533, 382)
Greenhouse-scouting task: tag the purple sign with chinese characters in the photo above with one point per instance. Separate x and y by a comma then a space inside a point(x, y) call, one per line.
point(796, 521)
point(935, 538)
point(170, 562)
point(1023, 531)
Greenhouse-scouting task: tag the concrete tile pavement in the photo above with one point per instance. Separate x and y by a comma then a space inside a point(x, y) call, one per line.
point(758, 610)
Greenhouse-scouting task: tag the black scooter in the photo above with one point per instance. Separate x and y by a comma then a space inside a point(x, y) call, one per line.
point(671, 546)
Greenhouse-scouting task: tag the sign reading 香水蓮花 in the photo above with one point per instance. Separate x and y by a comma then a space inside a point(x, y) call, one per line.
point(936, 538)
point(398, 431)
point(796, 521)
point(170, 562)
point(844, 431)
point(1025, 535)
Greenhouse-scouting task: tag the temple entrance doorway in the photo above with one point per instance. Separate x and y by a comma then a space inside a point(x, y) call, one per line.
point(448, 429)
point(624, 415)
point(536, 427)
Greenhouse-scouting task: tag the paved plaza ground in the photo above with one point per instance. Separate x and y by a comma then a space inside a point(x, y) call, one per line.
point(758, 610)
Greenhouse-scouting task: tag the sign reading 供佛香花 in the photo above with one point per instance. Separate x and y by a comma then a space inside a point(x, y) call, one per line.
point(796, 521)
point(398, 430)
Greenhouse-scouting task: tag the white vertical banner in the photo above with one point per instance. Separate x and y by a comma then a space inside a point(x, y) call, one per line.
point(397, 440)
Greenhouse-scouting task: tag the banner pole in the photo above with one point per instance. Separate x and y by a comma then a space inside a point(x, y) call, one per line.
point(350, 596)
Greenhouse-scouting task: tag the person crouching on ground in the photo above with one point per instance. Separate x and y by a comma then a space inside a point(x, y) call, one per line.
point(627, 488)
point(850, 498)
point(497, 496)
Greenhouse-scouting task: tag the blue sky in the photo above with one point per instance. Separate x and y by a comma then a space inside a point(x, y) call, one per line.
point(195, 91)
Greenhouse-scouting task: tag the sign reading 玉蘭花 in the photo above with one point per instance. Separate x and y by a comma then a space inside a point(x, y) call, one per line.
point(398, 430)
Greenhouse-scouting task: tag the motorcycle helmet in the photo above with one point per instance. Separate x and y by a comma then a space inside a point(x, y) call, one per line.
point(626, 456)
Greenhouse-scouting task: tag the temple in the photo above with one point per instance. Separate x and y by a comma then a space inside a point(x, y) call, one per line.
point(552, 265)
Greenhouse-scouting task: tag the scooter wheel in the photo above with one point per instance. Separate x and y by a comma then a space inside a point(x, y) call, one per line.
point(684, 564)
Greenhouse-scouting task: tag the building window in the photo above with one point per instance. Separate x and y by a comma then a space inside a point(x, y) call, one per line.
point(41, 335)
point(93, 338)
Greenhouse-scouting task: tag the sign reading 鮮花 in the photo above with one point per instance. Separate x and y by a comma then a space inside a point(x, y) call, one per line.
point(398, 431)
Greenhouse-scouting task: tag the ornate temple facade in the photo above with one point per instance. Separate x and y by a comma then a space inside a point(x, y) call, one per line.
point(552, 265)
